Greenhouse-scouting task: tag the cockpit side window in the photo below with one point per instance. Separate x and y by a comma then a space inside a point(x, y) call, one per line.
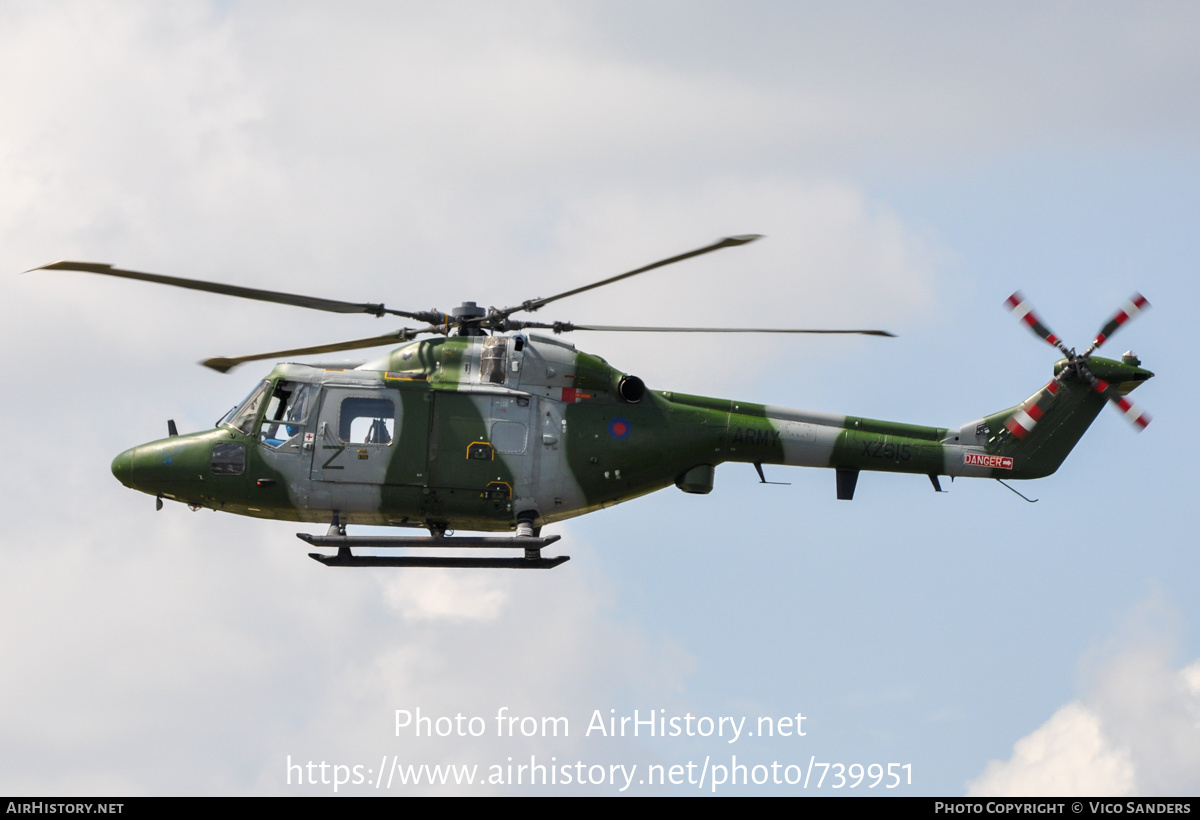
point(287, 413)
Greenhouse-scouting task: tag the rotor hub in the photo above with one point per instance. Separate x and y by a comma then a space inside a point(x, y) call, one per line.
point(468, 310)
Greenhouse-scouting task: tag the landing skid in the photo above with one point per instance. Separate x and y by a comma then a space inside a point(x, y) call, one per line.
point(344, 558)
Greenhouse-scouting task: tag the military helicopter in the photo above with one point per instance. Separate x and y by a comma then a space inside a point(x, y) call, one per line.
point(488, 426)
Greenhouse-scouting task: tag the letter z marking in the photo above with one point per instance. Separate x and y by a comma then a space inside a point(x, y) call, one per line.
point(328, 465)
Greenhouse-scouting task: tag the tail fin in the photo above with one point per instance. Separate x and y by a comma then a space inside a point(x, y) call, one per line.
point(1038, 449)
point(1039, 433)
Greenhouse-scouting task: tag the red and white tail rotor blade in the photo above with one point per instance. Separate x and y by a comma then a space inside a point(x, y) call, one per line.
point(1030, 413)
point(1023, 310)
point(1136, 416)
point(1136, 304)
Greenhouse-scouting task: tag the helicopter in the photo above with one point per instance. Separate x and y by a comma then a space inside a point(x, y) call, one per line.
point(488, 426)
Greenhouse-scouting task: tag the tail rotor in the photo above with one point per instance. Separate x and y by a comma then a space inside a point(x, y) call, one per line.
point(1100, 374)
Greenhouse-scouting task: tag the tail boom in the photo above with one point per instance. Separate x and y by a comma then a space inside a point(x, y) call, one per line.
point(1030, 440)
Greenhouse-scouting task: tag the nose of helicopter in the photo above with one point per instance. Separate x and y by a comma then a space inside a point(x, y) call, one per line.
point(158, 466)
point(122, 467)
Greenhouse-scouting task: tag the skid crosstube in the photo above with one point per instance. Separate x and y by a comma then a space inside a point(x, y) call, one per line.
point(344, 558)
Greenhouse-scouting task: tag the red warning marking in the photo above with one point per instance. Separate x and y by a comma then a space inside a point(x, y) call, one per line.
point(981, 460)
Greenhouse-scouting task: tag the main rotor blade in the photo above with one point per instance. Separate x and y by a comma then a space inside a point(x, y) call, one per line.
point(567, 327)
point(727, 242)
point(1024, 312)
point(314, 302)
point(1136, 304)
point(224, 364)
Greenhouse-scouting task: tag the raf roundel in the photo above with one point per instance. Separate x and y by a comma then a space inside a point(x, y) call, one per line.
point(619, 429)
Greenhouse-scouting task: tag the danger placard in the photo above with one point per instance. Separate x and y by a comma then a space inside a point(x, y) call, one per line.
point(981, 460)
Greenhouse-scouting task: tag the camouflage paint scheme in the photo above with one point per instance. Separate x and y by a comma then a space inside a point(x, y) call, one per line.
point(472, 438)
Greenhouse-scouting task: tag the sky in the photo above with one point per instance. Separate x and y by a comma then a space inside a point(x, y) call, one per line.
point(910, 166)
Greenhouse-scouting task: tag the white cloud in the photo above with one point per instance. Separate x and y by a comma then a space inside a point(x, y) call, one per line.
point(446, 594)
point(1154, 711)
point(1137, 732)
point(1066, 756)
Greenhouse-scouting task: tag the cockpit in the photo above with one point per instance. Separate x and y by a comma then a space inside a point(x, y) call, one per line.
point(288, 403)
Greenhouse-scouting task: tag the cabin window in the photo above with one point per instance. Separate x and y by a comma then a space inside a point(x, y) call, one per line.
point(367, 420)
